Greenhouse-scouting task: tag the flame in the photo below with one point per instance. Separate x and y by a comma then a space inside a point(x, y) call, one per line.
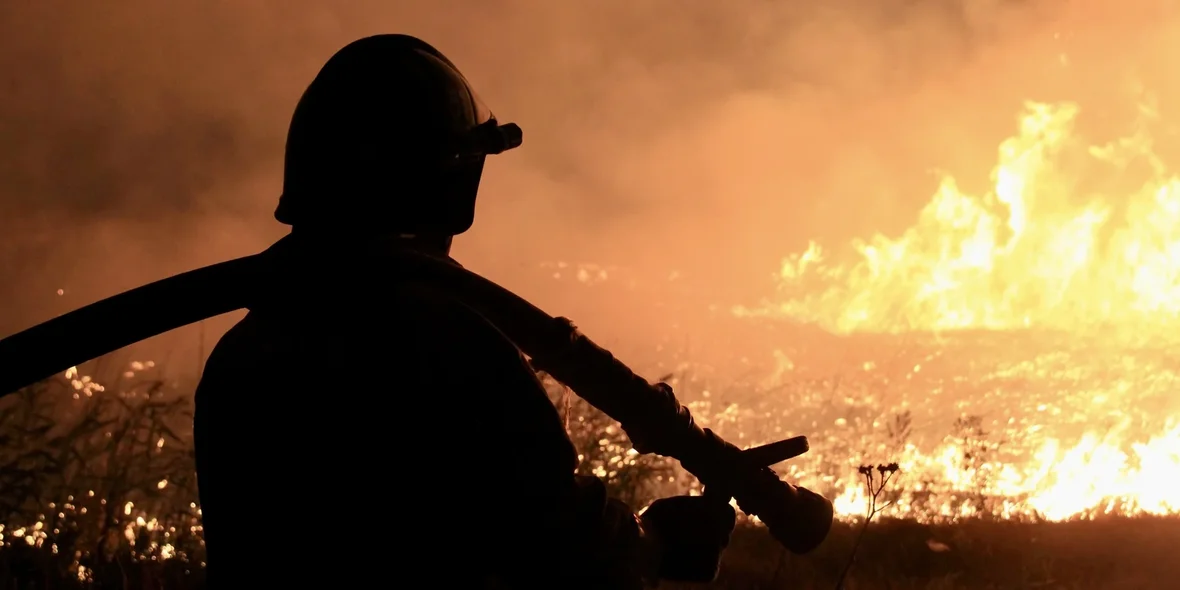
point(1095, 477)
point(1034, 251)
point(1043, 250)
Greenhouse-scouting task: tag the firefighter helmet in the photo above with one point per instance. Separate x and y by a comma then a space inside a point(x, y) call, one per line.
point(389, 135)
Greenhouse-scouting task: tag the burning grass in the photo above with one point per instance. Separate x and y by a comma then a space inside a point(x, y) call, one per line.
point(102, 489)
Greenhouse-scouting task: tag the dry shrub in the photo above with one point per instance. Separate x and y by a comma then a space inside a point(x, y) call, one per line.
point(99, 484)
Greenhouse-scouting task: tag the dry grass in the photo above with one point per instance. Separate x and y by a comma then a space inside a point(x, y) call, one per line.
point(1114, 554)
point(57, 450)
point(98, 485)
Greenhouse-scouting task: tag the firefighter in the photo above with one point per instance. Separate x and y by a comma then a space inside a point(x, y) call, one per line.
point(354, 426)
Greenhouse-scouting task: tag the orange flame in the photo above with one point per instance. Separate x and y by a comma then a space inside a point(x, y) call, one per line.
point(1030, 252)
point(1040, 249)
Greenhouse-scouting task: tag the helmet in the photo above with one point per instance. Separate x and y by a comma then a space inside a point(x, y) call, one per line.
point(389, 135)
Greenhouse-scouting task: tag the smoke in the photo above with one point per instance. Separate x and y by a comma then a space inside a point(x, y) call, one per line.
point(141, 138)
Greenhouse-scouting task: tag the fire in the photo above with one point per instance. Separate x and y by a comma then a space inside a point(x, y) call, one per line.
point(1034, 251)
point(1061, 258)
point(1092, 478)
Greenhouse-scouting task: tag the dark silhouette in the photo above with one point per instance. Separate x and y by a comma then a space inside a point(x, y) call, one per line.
point(384, 154)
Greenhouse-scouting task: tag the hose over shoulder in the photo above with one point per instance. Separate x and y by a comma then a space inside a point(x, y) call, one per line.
point(124, 319)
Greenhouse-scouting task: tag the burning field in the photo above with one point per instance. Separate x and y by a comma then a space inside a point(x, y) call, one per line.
point(1011, 424)
point(1033, 322)
point(1005, 339)
point(1011, 352)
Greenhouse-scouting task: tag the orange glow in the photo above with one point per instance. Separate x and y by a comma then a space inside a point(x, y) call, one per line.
point(1080, 288)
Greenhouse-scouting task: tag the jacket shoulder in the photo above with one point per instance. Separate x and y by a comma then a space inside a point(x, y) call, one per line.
point(389, 326)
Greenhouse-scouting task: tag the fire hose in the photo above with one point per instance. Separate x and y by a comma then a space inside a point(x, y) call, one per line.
point(796, 517)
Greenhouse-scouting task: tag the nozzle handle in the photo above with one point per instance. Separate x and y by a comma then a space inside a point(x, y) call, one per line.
point(776, 452)
point(764, 456)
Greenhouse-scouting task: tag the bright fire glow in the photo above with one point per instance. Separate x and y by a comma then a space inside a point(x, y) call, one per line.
point(1058, 294)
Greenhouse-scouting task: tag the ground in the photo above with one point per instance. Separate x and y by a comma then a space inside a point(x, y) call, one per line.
point(1113, 554)
point(138, 526)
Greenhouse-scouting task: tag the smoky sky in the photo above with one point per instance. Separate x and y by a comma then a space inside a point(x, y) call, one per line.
point(141, 138)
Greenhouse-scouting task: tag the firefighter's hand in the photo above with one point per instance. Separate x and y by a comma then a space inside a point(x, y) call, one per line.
point(688, 535)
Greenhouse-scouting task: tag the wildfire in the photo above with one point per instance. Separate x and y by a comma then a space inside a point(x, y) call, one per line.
point(1092, 478)
point(1078, 291)
point(1033, 318)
